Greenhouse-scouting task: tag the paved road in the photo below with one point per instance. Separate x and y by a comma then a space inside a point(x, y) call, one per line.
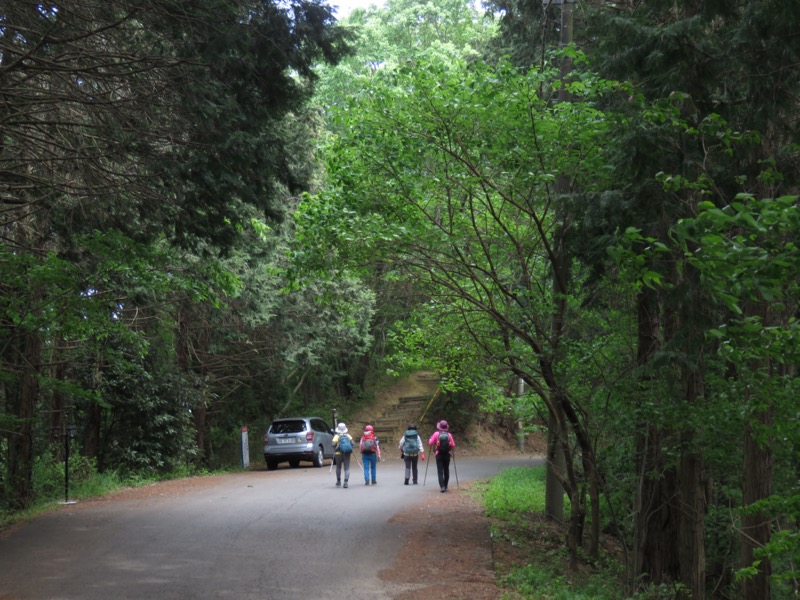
point(270, 535)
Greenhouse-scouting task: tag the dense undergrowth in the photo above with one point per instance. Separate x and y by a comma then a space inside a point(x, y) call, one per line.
point(54, 484)
point(533, 561)
point(536, 567)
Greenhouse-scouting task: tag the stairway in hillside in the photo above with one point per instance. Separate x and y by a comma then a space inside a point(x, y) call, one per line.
point(391, 421)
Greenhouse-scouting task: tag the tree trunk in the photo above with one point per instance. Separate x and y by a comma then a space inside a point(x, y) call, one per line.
point(554, 489)
point(692, 523)
point(568, 418)
point(560, 263)
point(93, 430)
point(94, 416)
point(191, 347)
point(592, 475)
point(558, 440)
point(757, 485)
point(655, 527)
point(20, 447)
point(569, 483)
point(572, 532)
point(757, 480)
point(692, 490)
point(199, 414)
point(656, 550)
point(692, 529)
point(59, 404)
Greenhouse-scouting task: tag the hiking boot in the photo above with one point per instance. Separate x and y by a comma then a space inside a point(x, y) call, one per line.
point(406, 482)
point(366, 482)
point(443, 490)
point(338, 482)
point(345, 485)
point(374, 482)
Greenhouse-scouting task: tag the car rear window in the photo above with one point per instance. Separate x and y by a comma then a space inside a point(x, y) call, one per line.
point(288, 427)
point(319, 425)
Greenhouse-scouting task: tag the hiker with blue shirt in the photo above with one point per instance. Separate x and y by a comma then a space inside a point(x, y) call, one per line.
point(442, 440)
point(411, 450)
point(343, 442)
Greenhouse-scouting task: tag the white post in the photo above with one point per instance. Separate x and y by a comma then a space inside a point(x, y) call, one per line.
point(245, 449)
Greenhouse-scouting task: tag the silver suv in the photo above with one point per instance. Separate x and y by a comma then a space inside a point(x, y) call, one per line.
point(296, 439)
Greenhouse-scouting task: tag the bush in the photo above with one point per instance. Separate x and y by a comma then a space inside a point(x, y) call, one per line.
point(515, 499)
point(49, 475)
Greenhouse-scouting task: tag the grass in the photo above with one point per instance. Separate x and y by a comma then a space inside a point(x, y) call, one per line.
point(530, 550)
point(84, 482)
point(97, 485)
point(515, 492)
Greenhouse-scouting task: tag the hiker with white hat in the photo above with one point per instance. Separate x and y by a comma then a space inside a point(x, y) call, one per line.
point(343, 442)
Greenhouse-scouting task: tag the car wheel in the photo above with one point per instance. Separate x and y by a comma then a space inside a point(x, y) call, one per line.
point(294, 463)
point(319, 457)
point(272, 465)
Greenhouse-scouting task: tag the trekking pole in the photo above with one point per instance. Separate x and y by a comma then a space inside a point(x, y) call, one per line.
point(455, 468)
point(427, 462)
point(333, 462)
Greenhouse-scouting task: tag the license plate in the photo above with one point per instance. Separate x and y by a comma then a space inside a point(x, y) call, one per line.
point(287, 440)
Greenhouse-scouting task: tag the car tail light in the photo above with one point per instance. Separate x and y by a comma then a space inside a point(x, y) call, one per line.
point(310, 436)
point(266, 438)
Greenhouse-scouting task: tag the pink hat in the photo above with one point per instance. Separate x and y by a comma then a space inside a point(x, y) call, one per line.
point(442, 426)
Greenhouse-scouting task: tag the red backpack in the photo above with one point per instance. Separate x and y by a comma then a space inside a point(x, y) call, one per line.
point(369, 443)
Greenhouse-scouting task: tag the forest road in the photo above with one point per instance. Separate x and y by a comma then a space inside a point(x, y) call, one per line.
point(288, 533)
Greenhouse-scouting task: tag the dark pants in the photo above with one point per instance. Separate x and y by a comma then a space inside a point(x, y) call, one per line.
point(411, 467)
point(443, 470)
point(343, 459)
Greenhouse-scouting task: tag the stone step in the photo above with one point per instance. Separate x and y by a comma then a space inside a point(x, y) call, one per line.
point(408, 399)
point(432, 377)
point(390, 424)
point(397, 419)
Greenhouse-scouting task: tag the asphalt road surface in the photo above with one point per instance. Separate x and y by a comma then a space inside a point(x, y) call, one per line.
point(270, 535)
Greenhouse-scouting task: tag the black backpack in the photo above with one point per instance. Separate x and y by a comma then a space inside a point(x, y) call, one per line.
point(443, 445)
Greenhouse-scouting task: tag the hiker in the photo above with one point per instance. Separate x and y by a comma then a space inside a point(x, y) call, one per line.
point(444, 443)
point(370, 449)
point(343, 442)
point(411, 450)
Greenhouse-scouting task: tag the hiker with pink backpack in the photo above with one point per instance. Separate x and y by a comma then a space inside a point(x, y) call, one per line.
point(370, 448)
point(444, 444)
